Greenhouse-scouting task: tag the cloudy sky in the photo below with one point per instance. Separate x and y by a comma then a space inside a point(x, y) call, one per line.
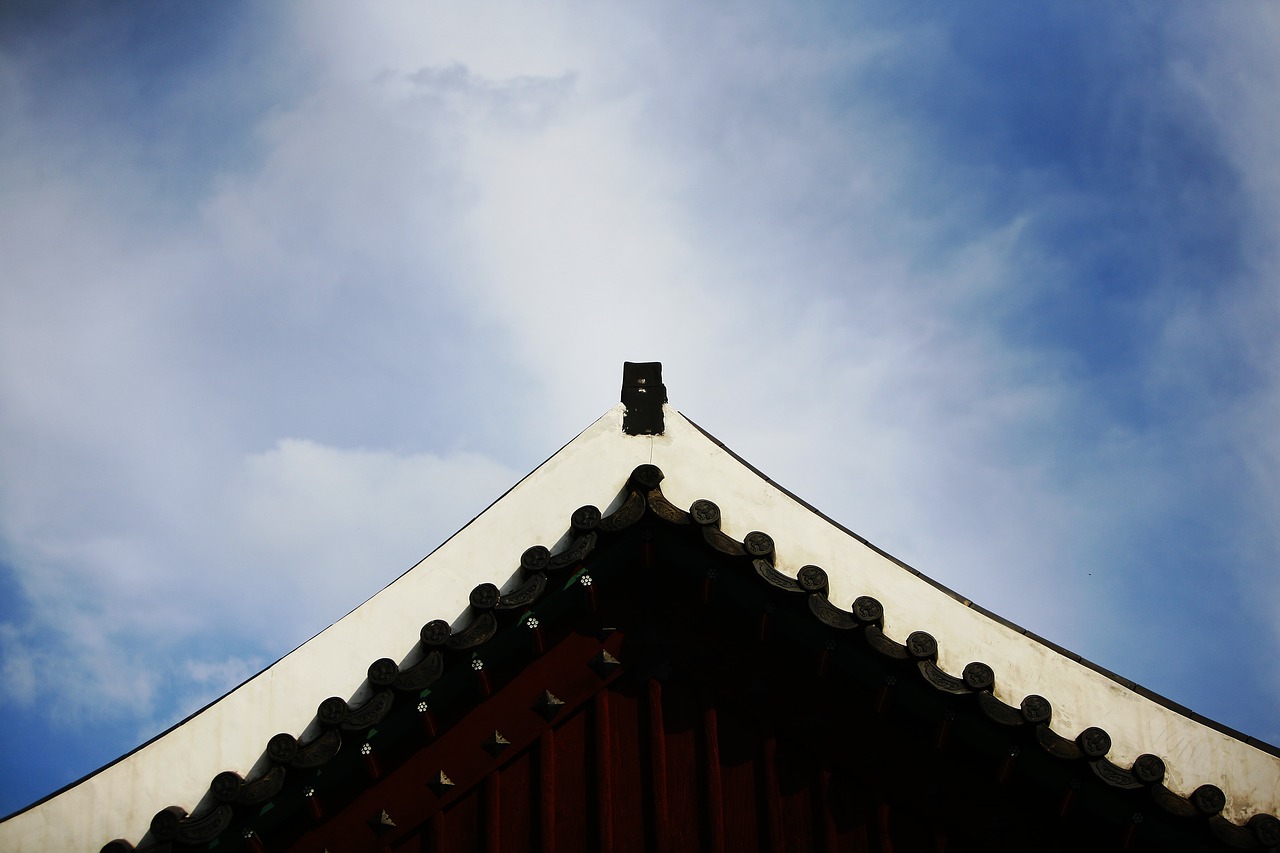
point(290, 291)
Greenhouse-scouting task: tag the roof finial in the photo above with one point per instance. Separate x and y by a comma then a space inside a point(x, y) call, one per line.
point(644, 394)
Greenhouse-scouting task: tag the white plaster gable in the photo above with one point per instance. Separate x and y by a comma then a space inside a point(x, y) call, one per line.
point(231, 734)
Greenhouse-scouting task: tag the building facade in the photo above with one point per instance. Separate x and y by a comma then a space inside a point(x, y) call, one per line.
point(648, 645)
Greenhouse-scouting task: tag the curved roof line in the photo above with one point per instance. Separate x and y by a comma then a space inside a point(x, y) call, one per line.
point(228, 735)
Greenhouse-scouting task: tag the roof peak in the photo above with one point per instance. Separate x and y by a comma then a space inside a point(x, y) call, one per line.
point(643, 393)
point(229, 734)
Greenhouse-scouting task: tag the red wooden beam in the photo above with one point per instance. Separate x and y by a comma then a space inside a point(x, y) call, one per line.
point(658, 763)
point(604, 770)
point(715, 790)
point(776, 840)
point(492, 818)
point(547, 792)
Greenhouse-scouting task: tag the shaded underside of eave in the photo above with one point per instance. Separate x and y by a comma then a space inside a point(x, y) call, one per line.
point(212, 704)
point(1128, 684)
point(673, 415)
point(450, 672)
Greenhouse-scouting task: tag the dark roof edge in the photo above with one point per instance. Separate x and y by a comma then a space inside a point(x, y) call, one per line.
point(1159, 699)
point(86, 777)
point(645, 497)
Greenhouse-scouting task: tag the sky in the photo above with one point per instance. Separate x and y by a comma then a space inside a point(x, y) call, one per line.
point(289, 292)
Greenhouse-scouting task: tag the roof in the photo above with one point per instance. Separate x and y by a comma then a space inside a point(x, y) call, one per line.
point(633, 460)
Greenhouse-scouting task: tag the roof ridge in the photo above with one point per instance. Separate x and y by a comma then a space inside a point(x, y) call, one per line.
point(445, 649)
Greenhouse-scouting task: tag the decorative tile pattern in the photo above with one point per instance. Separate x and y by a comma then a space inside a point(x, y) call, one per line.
point(492, 611)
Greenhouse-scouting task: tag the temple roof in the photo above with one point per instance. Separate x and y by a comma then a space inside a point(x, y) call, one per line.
point(644, 460)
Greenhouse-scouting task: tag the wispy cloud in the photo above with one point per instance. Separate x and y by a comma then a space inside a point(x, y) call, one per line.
point(993, 289)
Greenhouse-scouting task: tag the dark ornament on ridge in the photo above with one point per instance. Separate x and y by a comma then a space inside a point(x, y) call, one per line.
point(812, 579)
point(1231, 834)
point(316, 752)
point(885, 646)
point(868, 610)
point(332, 712)
point(370, 712)
point(225, 787)
point(624, 516)
point(383, 672)
point(481, 630)
point(537, 562)
point(943, 681)
point(1209, 800)
point(758, 544)
point(1267, 829)
point(1115, 776)
point(765, 569)
point(164, 826)
point(585, 518)
point(200, 829)
point(665, 509)
point(422, 674)
point(997, 711)
point(643, 393)
point(721, 542)
point(647, 477)
point(435, 633)
point(1172, 803)
point(282, 747)
point(830, 615)
point(922, 645)
point(978, 676)
point(704, 512)
point(485, 597)
point(1094, 742)
point(535, 558)
point(1036, 709)
point(1057, 745)
point(262, 788)
point(575, 553)
point(1148, 769)
point(525, 594)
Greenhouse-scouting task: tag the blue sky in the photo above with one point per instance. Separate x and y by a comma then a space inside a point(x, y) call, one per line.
point(289, 292)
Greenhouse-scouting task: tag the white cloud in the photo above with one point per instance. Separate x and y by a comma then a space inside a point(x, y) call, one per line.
point(1230, 67)
point(19, 666)
point(333, 526)
point(286, 542)
point(219, 672)
point(466, 220)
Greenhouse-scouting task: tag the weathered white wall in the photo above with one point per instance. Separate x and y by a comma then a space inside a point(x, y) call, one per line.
point(176, 769)
point(1194, 754)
